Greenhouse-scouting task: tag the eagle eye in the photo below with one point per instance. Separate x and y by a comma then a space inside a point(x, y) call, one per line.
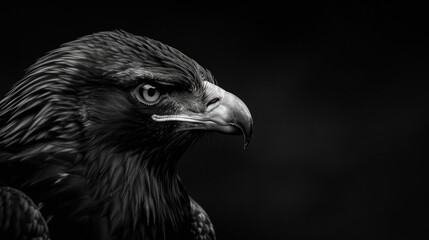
point(147, 94)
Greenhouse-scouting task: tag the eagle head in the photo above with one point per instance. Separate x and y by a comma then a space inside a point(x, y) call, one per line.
point(124, 91)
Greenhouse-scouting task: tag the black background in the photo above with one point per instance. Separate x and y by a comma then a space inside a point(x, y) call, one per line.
point(336, 91)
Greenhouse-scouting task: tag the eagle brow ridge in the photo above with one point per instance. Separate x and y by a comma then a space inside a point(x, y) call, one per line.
point(136, 75)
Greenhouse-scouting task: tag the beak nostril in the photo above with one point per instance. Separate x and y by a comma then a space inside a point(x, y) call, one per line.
point(213, 101)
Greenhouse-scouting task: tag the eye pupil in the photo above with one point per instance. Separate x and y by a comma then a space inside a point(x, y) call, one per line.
point(151, 92)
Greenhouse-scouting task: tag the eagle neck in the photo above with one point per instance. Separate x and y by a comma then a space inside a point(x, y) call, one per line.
point(136, 191)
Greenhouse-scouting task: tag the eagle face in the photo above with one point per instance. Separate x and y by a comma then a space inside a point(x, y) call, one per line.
point(134, 91)
point(121, 91)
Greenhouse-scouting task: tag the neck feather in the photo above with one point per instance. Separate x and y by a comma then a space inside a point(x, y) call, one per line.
point(135, 190)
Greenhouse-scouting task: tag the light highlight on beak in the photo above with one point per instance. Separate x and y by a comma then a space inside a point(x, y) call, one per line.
point(224, 113)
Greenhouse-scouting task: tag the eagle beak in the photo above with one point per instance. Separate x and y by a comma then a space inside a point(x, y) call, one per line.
point(224, 113)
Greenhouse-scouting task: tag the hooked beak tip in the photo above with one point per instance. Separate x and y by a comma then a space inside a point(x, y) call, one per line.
point(246, 128)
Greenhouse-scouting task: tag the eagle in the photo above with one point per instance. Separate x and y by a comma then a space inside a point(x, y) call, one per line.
point(91, 136)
